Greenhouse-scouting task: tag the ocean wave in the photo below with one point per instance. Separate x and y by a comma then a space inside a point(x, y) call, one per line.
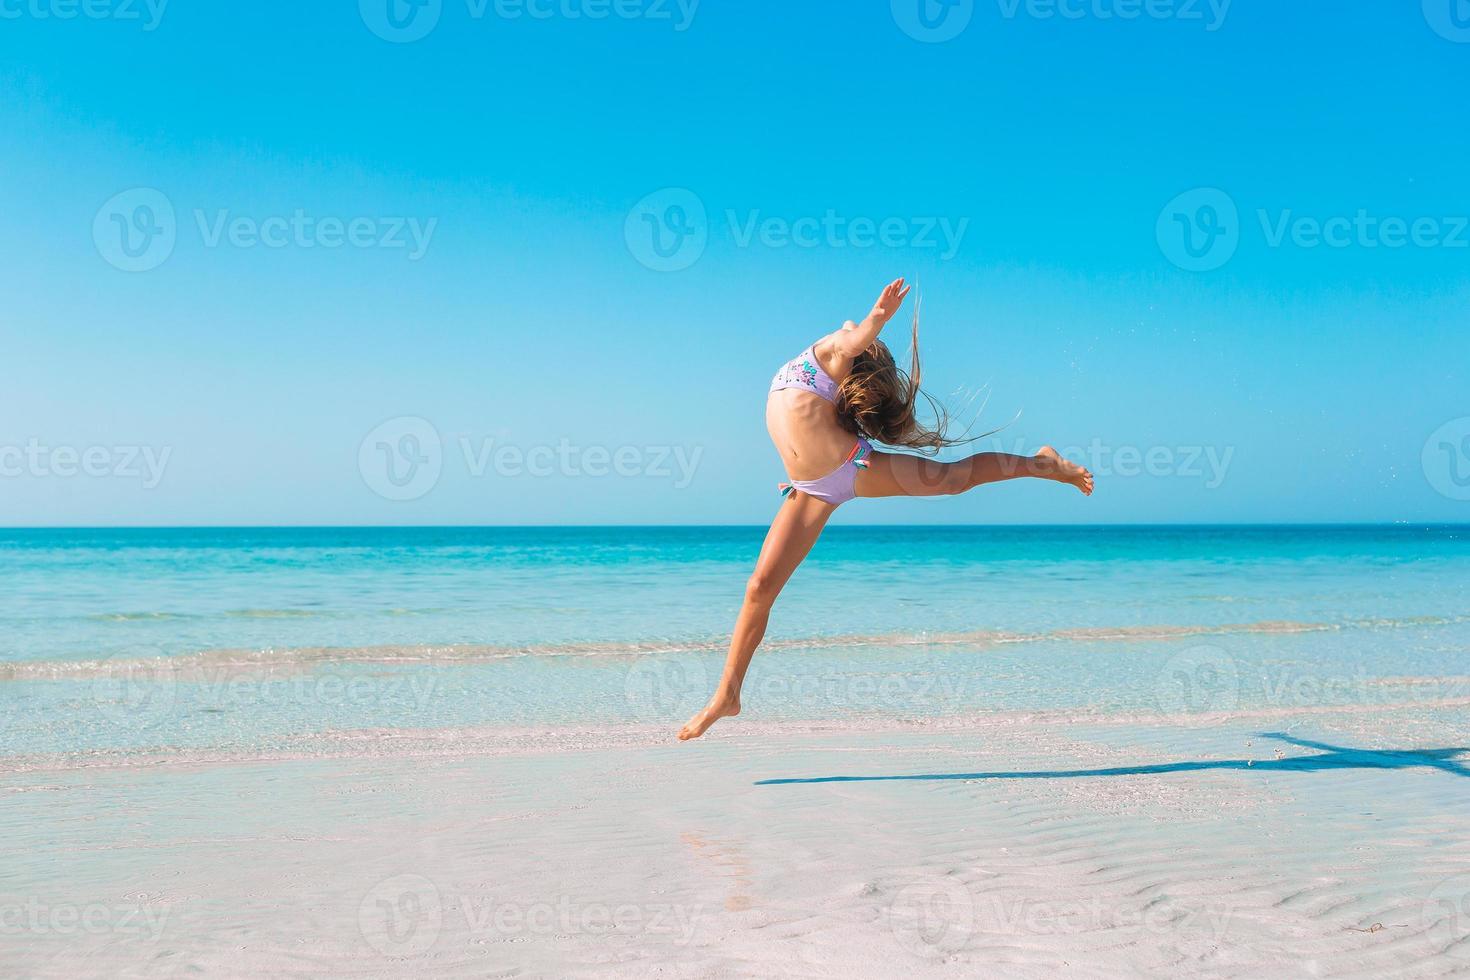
point(429, 654)
point(272, 613)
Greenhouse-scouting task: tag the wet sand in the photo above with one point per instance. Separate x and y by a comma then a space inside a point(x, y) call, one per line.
point(998, 848)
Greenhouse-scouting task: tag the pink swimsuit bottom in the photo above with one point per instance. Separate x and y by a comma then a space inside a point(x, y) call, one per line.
point(804, 374)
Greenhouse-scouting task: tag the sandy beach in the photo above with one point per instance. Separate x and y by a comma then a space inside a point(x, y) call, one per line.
point(1337, 846)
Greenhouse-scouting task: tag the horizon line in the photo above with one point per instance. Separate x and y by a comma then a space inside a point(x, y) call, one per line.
point(593, 526)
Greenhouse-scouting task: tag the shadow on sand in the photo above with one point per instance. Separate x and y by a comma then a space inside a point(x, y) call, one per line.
point(1331, 757)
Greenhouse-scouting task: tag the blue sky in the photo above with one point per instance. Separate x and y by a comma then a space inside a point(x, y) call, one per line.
point(437, 253)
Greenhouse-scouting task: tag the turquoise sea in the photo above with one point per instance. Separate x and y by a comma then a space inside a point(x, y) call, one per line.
point(117, 642)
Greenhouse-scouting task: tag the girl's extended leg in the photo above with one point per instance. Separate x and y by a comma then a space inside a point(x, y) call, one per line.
point(898, 475)
point(796, 528)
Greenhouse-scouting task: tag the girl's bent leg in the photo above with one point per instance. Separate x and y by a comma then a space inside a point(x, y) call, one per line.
point(796, 528)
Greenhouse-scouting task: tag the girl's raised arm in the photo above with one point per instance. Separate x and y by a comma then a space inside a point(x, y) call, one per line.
point(843, 345)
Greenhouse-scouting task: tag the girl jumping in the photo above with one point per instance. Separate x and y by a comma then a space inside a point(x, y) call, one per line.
point(824, 407)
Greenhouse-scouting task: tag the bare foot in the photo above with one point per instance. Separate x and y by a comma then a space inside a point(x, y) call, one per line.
point(718, 707)
point(1052, 466)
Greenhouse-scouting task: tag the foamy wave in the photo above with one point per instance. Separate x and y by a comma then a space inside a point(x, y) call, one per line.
point(134, 617)
point(272, 613)
point(297, 657)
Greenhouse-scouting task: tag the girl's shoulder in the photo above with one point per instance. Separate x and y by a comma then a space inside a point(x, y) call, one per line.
point(826, 355)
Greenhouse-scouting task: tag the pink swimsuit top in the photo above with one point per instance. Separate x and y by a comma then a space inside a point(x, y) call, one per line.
point(805, 374)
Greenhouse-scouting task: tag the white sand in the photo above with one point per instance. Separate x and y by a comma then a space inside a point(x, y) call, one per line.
point(487, 854)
